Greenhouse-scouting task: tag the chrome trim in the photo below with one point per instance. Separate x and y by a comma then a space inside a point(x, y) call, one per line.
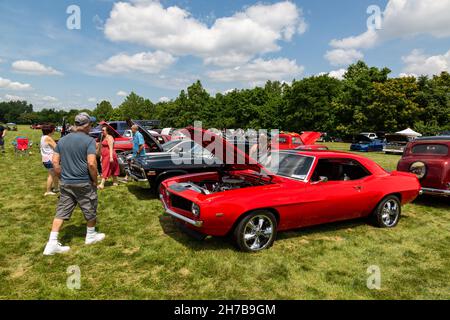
point(134, 177)
point(195, 223)
point(432, 191)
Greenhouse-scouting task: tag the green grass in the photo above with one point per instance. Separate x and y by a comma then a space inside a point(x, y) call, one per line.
point(145, 256)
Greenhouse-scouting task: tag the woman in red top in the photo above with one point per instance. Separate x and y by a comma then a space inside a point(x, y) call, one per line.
point(110, 164)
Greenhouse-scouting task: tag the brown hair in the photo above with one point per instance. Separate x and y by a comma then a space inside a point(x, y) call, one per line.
point(48, 128)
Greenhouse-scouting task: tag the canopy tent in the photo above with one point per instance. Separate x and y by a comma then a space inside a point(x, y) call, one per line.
point(409, 132)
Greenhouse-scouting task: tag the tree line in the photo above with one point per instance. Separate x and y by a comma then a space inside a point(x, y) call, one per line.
point(366, 99)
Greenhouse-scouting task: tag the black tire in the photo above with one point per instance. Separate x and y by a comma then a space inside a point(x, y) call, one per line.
point(265, 240)
point(383, 216)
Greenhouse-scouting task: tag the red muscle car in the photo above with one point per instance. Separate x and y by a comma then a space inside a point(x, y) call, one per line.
point(304, 141)
point(293, 189)
point(429, 159)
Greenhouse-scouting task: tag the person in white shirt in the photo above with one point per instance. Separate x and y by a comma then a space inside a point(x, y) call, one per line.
point(47, 147)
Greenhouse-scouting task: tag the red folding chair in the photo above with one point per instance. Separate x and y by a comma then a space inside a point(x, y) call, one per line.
point(22, 146)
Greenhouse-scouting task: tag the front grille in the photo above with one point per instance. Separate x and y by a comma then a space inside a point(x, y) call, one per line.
point(180, 203)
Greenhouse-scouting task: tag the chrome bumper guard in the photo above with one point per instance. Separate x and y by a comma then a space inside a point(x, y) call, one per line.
point(195, 223)
point(135, 177)
point(437, 192)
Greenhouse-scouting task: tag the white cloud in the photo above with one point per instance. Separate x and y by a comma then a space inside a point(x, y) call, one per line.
point(12, 85)
point(10, 97)
point(92, 99)
point(339, 57)
point(121, 93)
point(418, 63)
point(228, 41)
point(34, 68)
point(337, 74)
point(164, 99)
point(402, 19)
point(259, 71)
point(146, 62)
point(48, 99)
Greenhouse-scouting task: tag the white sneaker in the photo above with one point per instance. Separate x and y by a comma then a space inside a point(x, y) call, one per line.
point(94, 238)
point(49, 194)
point(55, 247)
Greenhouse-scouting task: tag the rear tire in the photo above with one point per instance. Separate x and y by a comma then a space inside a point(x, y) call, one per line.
point(387, 213)
point(256, 231)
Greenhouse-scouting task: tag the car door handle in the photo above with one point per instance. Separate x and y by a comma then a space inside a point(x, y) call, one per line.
point(359, 188)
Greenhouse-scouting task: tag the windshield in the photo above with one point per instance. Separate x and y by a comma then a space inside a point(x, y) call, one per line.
point(170, 144)
point(289, 165)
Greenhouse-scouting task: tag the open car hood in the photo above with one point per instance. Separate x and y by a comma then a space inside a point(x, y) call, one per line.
point(232, 156)
point(397, 138)
point(115, 134)
point(362, 139)
point(310, 137)
point(150, 141)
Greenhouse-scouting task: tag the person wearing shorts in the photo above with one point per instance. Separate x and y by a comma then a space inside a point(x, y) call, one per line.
point(75, 162)
point(2, 138)
point(47, 147)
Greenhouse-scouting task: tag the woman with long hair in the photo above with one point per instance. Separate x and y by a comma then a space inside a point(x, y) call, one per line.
point(110, 164)
point(47, 147)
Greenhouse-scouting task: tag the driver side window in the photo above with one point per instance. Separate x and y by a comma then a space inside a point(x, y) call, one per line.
point(339, 170)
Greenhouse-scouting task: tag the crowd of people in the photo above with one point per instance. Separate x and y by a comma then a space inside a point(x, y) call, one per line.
point(72, 170)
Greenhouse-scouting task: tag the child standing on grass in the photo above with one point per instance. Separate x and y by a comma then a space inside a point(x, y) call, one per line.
point(47, 147)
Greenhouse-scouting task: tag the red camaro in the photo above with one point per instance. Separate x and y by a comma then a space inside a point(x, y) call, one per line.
point(294, 189)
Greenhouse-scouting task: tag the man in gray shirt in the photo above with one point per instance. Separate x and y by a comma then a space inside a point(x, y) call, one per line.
point(75, 163)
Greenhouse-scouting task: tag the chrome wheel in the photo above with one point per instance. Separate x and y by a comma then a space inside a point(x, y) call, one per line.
point(258, 232)
point(390, 213)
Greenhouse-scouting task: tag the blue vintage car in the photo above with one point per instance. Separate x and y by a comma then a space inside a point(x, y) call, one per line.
point(365, 144)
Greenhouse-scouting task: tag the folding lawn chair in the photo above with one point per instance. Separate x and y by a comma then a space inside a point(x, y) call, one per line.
point(22, 146)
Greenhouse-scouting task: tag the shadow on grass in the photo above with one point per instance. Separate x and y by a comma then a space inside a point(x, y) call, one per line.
point(141, 193)
point(72, 231)
point(435, 202)
point(322, 228)
point(173, 230)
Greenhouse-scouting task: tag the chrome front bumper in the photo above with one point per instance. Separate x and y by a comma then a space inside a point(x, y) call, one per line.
point(436, 192)
point(195, 223)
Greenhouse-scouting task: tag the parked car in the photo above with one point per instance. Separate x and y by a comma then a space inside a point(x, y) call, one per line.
point(370, 135)
point(36, 126)
point(395, 143)
point(429, 159)
point(182, 158)
point(252, 202)
point(366, 144)
point(304, 141)
point(11, 126)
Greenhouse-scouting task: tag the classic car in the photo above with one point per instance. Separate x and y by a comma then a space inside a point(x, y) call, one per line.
point(370, 135)
point(292, 140)
point(366, 144)
point(11, 126)
point(395, 143)
point(429, 159)
point(291, 189)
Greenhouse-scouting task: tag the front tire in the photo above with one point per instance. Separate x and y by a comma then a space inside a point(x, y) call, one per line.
point(387, 213)
point(256, 231)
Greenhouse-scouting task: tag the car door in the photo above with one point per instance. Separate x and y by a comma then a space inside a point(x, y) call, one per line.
point(341, 197)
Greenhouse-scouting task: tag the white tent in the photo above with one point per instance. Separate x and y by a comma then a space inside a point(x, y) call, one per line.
point(409, 132)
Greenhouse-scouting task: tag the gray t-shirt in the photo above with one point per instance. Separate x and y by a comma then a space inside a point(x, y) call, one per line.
point(74, 149)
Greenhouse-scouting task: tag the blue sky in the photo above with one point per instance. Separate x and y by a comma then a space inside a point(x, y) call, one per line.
point(157, 48)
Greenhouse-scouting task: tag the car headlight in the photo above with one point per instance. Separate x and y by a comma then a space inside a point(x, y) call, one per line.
point(419, 169)
point(195, 209)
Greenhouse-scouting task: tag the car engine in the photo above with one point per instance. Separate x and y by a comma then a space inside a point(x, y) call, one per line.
point(225, 183)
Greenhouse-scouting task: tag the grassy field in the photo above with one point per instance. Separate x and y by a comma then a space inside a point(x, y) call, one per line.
point(145, 256)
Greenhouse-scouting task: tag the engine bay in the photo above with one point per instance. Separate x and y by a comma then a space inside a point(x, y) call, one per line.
point(228, 182)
